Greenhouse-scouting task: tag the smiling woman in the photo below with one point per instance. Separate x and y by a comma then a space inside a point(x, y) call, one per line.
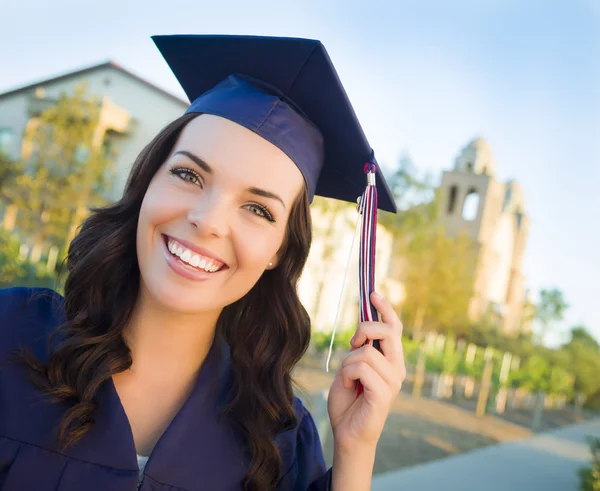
point(207, 188)
point(166, 366)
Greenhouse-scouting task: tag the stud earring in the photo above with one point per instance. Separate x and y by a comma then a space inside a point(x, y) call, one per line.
point(270, 264)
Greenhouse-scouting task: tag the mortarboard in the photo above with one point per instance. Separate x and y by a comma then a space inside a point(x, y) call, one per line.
point(287, 91)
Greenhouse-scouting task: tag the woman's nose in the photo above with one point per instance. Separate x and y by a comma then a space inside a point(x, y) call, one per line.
point(211, 216)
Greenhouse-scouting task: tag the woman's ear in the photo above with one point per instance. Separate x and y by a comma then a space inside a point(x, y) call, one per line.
point(273, 262)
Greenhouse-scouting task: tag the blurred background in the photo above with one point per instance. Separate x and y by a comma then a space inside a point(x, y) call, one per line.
point(485, 117)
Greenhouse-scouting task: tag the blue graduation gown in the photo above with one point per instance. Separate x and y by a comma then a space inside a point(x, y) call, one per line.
point(196, 452)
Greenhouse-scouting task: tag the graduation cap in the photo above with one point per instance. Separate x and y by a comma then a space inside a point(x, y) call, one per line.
point(287, 91)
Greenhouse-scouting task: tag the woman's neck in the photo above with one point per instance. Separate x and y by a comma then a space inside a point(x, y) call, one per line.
point(166, 341)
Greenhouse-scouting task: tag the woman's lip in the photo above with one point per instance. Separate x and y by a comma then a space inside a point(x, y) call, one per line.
point(196, 249)
point(182, 270)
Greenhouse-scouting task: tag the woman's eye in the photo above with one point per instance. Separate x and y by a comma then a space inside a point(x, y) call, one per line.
point(187, 175)
point(261, 211)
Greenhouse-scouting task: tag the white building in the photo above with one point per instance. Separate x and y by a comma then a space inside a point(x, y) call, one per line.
point(322, 288)
point(133, 110)
point(493, 214)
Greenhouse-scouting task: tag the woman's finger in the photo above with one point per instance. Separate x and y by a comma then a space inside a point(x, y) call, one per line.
point(389, 338)
point(369, 378)
point(377, 361)
point(388, 314)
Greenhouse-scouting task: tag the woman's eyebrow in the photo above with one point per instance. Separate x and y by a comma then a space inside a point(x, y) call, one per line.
point(203, 165)
point(265, 194)
point(208, 169)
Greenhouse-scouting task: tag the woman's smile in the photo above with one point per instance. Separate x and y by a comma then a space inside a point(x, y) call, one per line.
point(188, 263)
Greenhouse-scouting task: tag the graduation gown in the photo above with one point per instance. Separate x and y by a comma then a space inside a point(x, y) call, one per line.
point(196, 452)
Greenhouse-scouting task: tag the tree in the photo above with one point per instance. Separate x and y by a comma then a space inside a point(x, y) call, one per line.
point(550, 308)
point(11, 264)
point(16, 271)
point(8, 170)
point(583, 358)
point(580, 334)
point(438, 280)
point(65, 169)
point(437, 270)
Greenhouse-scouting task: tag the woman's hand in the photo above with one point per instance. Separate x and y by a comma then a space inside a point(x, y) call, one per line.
point(358, 422)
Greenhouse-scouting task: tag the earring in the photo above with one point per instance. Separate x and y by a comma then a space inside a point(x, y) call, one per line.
point(270, 264)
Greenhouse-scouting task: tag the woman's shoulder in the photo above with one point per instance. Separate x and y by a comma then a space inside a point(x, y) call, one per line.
point(28, 315)
point(302, 453)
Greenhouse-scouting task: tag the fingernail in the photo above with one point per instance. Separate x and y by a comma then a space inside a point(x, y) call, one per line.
point(376, 295)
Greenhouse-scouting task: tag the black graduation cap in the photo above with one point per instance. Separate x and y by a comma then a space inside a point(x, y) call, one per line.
point(287, 91)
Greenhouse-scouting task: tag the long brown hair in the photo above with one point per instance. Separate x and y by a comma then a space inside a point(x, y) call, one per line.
point(267, 331)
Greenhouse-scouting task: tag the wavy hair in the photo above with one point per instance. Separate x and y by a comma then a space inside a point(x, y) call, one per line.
point(267, 330)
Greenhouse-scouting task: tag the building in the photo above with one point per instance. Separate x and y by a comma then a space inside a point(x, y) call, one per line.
point(132, 110)
point(329, 284)
point(493, 214)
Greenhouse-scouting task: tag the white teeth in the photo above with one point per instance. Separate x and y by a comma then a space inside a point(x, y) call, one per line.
point(191, 258)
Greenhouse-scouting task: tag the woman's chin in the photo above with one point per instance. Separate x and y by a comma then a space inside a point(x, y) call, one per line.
point(178, 299)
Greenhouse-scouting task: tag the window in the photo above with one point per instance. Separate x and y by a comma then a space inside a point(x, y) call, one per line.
point(452, 199)
point(471, 206)
point(469, 165)
point(7, 137)
point(519, 217)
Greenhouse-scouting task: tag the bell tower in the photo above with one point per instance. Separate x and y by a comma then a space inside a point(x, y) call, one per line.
point(492, 214)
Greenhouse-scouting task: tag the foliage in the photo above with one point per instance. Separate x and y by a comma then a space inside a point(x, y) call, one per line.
point(437, 270)
point(16, 271)
point(8, 169)
point(322, 340)
point(65, 168)
point(12, 266)
point(582, 356)
point(551, 307)
point(589, 477)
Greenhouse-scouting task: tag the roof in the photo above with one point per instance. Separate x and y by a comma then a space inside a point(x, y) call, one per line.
point(83, 71)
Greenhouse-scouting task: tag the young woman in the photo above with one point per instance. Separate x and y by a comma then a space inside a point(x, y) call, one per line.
point(166, 366)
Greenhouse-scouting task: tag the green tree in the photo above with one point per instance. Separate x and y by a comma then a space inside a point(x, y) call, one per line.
point(11, 264)
point(438, 280)
point(65, 169)
point(582, 354)
point(589, 477)
point(550, 308)
point(580, 334)
point(436, 269)
point(8, 170)
point(16, 271)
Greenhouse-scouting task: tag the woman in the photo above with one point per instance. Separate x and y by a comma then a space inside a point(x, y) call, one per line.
point(180, 323)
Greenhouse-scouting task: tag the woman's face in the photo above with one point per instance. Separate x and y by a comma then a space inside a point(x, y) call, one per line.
point(214, 216)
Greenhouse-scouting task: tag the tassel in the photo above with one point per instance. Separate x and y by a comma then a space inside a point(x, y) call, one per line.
point(368, 211)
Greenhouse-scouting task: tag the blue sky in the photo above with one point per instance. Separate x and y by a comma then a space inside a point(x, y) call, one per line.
point(424, 77)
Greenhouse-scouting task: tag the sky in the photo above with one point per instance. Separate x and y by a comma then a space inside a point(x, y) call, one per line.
point(424, 78)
